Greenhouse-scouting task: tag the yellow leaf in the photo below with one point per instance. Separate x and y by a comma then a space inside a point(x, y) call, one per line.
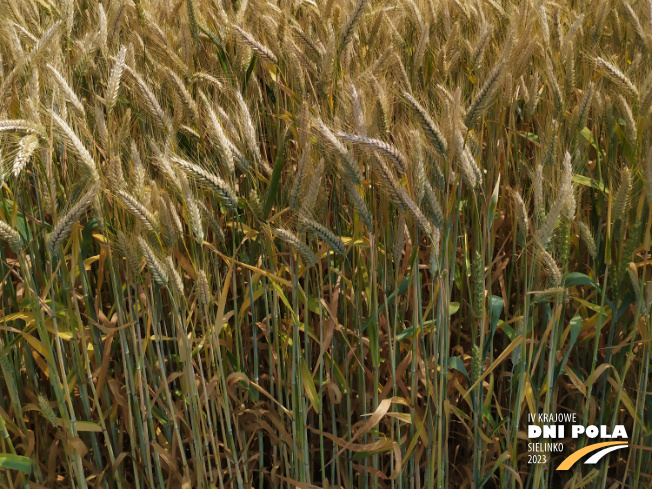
point(88, 426)
point(309, 386)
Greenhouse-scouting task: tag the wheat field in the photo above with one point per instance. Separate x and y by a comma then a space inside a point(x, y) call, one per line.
point(317, 244)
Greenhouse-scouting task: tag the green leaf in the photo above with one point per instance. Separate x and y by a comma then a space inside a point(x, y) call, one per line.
point(589, 182)
point(16, 462)
point(493, 202)
point(338, 375)
point(276, 177)
point(453, 308)
point(509, 331)
point(221, 54)
point(624, 141)
point(531, 136)
point(586, 134)
point(87, 237)
point(410, 331)
point(8, 209)
point(496, 308)
point(501, 460)
point(457, 278)
point(249, 70)
point(574, 279)
point(497, 305)
point(496, 427)
point(456, 363)
point(575, 328)
point(406, 333)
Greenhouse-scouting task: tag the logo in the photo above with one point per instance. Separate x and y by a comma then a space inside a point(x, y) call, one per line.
point(553, 427)
point(601, 448)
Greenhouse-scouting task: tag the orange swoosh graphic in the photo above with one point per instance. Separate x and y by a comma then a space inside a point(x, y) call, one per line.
point(571, 459)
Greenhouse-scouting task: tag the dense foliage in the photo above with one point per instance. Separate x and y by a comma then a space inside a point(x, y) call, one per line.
point(297, 244)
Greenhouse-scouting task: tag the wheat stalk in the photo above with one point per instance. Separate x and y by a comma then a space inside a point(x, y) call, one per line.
point(522, 212)
point(486, 94)
point(175, 278)
point(430, 128)
point(470, 171)
point(212, 220)
point(552, 268)
point(77, 145)
point(554, 86)
point(203, 289)
point(144, 216)
point(307, 41)
point(352, 168)
point(64, 225)
point(20, 125)
point(589, 241)
point(27, 146)
point(150, 100)
point(305, 252)
point(215, 183)
point(223, 144)
point(248, 125)
point(410, 206)
point(186, 99)
point(192, 207)
point(69, 93)
point(381, 147)
point(433, 206)
point(297, 184)
point(155, 267)
point(325, 234)
point(10, 235)
point(391, 184)
point(347, 29)
point(359, 205)
point(621, 197)
point(617, 76)
point(33, 55)
point(630, 123)
point(255, 46)
point(113, 86)
point(311, 192)
point(585, 106)
point(103, 31)
point(564, 204)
